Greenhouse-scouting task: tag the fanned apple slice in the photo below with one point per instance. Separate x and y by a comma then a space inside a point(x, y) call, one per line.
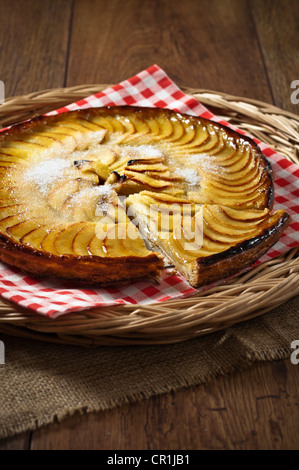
point(6, 165)
point(64, 241)
point(86, 124)
point(145, 180)
point(96, 167)
point(15, 154)
point(210, 143)
point(219, 148)
point(117, 125)
point(22, 229)
point(123, 239)
point(82, 239)
point(11, 210)
point(76, 126)
point(166, 130)
point(58, 195)
point(83, 136)
point(162, 198)
point(187, 138)
point(103, 154)
point(48, 242)
point(95, 247)
point(141, 129)
point(6, 194)
point(232, 222)
point(44, 141)
point(176, 133)
point(201, 135)
point(35, 237)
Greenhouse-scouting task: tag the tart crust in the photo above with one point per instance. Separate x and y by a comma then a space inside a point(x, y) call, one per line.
point(86, 269)
point(222, 265)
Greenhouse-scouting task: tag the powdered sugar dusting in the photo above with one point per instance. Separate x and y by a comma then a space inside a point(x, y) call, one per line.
point(103, 191)
point(206, 163)
point(143, 151)
point(89, 140)
point(106, 195)
point(100, 196)
point(47, 172)
point(189, 175)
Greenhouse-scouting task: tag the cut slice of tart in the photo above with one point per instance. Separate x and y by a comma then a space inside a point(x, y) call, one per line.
point(67, 180)
point(206, 242)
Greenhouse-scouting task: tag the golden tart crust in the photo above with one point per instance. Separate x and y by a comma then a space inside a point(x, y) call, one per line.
point(68, 180)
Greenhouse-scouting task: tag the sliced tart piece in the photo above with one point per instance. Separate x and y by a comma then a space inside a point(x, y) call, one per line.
point(206, 242)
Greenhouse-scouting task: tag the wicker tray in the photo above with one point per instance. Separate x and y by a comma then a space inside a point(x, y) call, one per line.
point(246, 296)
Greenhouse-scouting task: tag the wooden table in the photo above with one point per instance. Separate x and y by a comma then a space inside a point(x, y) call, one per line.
point(244, 48)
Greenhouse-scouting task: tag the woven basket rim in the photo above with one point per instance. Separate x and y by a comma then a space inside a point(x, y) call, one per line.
point(93, 88)
point(265, 287)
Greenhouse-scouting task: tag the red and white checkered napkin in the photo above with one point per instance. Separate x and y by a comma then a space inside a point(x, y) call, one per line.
point(152, 88)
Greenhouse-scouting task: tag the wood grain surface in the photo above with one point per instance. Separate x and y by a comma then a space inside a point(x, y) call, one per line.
point(277, 25)
point(245, 48)
point(34, 38)
point(247, 410)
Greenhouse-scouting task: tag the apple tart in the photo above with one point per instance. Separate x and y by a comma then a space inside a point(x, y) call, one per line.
point(106, 195)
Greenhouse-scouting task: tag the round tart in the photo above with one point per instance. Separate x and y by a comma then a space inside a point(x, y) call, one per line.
point(105, 195)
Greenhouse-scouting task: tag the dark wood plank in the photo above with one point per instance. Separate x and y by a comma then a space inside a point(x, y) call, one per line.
point(20, 442)
point(203, 44)
point(34, 44)
point(277, 25)
point(254, 409)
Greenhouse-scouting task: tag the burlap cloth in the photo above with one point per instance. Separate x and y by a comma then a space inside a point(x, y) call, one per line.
point(41, 382)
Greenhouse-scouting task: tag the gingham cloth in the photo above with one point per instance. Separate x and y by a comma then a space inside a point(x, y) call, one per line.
point(153, 88)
